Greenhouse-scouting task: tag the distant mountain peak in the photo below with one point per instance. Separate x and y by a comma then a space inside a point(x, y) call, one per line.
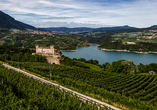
point(154, 26)
point(126, 26)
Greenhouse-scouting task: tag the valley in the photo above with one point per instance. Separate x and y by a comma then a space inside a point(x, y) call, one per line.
point(60, 68)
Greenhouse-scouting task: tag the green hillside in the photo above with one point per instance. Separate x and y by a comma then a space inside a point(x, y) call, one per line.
point(61, 42)
point(130, 91)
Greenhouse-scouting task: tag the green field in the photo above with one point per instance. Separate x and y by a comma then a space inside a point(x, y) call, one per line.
point(92, 66)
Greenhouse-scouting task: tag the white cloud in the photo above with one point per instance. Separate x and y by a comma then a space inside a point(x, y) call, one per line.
point(138, 13)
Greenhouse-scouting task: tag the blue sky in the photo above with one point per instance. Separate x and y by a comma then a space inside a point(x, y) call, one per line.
point(82, 13)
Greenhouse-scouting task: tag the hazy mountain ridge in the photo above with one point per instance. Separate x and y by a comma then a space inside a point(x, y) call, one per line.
point(67, 30)
point(27, 25)
point(154, 26)
point(7, 21)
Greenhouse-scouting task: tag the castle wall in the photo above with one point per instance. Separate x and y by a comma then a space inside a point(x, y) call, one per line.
point(47, 51)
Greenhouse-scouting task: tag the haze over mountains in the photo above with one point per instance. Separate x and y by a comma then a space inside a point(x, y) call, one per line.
point(27, 26)
point(67, 30)
point(7, 21)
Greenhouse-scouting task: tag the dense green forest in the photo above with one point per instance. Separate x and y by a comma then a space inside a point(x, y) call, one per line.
point(12, 53)
point(20, 92)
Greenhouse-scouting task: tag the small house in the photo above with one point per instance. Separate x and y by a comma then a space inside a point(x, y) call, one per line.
point(152, 72)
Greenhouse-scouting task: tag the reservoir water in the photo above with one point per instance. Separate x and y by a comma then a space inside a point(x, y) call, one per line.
point(94, 53)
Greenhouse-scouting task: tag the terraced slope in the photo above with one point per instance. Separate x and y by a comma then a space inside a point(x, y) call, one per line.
point(18, 91)
point(133, 91)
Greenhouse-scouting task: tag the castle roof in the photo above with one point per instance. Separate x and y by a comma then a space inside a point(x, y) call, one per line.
point(45, 47)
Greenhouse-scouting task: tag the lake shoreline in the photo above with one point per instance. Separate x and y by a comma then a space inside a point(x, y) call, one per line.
point(93, 44)
point(69, 50)
point(126, 51)
point(95, 53)
point(76, 49)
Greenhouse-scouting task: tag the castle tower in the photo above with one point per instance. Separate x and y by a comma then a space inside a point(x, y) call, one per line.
point(37, 46)
point(52, 48)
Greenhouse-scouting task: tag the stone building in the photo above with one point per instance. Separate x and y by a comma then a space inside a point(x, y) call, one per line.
point(152, 72)
point(48, 51)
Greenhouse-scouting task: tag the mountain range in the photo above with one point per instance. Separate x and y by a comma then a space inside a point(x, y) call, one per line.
point(68, 30)
point(27, 26)
point(7, 21)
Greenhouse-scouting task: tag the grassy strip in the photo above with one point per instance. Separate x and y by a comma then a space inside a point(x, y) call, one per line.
point(92, 66)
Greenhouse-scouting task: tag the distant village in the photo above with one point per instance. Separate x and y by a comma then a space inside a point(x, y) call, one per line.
point(149, 35)
point(34, 32)
point(134, 37)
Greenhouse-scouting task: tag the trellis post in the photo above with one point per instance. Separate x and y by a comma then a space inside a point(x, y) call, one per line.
point(50, 71)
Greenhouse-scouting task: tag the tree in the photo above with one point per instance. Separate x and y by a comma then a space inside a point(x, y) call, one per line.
point(123, 66)
point(147, 68)
point(104, 65)
point(90, 61)
point(117, 66)
point(154, 66)
point(130, 67)
point(82, 59)
point(95, 62)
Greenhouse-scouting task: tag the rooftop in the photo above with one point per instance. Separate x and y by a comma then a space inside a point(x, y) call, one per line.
point(45, 47)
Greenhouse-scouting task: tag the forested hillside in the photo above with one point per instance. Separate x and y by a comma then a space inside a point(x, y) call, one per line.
point(12, 53)
point(139, 47)
point(61, 42)
point(117, 39)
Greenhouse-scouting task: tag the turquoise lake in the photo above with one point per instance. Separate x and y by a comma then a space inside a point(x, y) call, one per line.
point(94, 53)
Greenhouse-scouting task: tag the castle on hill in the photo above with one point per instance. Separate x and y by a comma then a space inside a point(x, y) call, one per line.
point(48, 51)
